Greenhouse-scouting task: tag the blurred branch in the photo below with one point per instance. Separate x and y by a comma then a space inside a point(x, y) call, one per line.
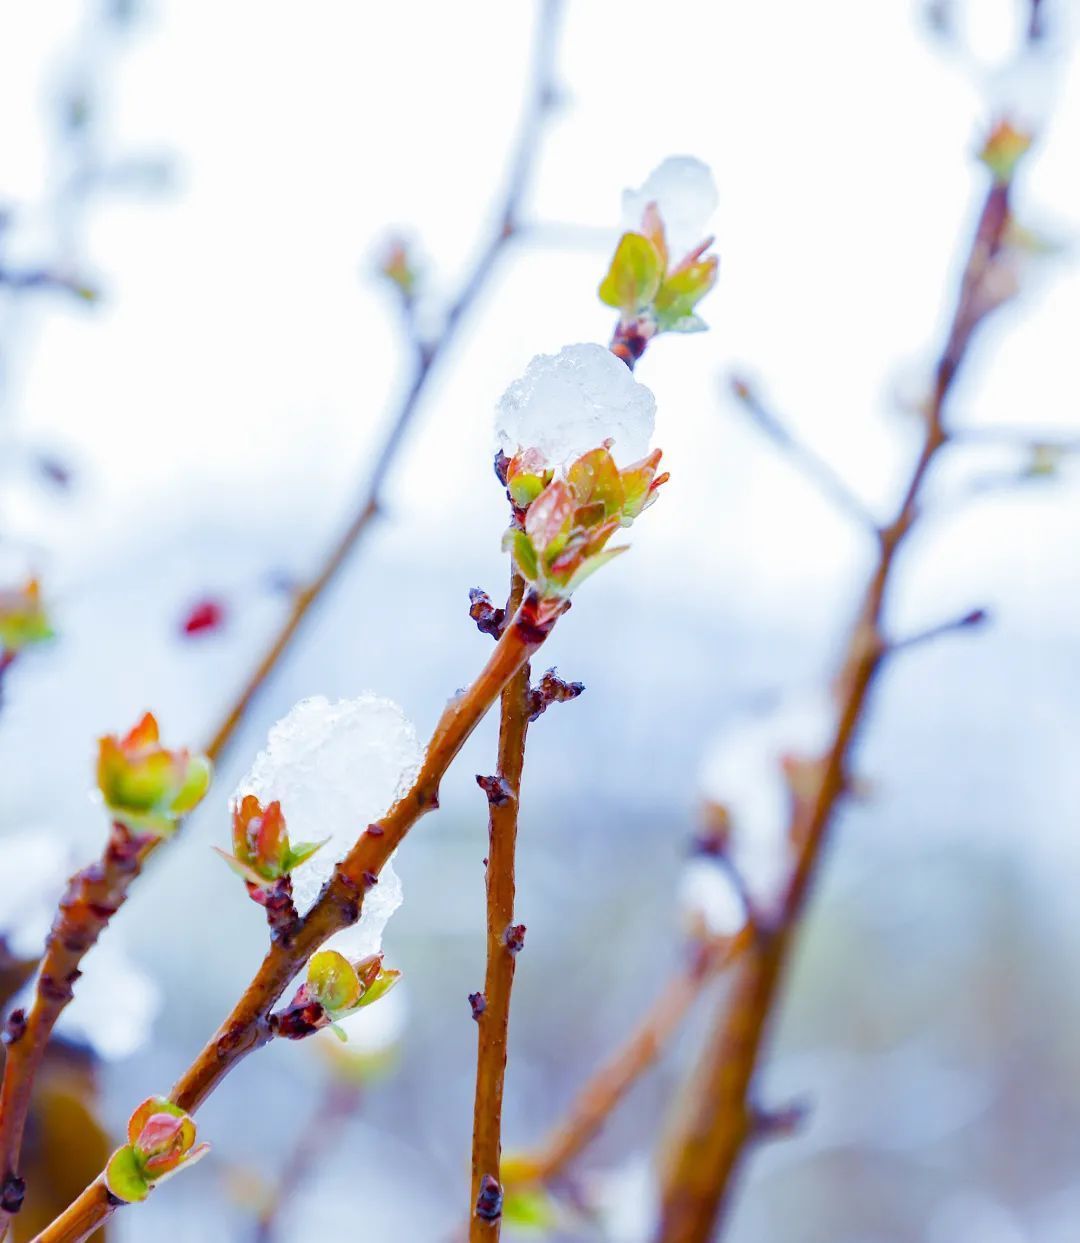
point(813, 466)
point(93, 896)
point(324, 1128)
point(250, 1025)
point(977, 617)
point(613, 1079)
point(504, 940)
point(541, 100)
point(717, 1119)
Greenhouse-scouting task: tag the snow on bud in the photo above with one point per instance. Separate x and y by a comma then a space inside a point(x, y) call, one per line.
point(682, 194)
point(660, 270)
point(146, 787)
point(262, 853)
point(710, 899)
point(335, 768)
point(568, 403)
point(161, 1141)
point(754, 772)
point(23, 619)
point(568, 526)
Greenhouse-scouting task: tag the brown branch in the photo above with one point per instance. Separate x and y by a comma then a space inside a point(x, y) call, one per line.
point(611, 1082)
point(504, 939)
point(541, 100)
point(249, 1025)
point(82, 1217)
point(93, 896)
point(718, 1115)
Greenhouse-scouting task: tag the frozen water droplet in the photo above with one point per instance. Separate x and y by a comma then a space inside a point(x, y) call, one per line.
point(743, 771)
point(568, 403)
point(708, 892)
point(683, 189)
point(336, 767)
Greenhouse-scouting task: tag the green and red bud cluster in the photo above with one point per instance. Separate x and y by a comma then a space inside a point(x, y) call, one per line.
point(161, 1141)
point(397, 266)
point(1004, 148)
point(334, 989)
point(568, 523)
point(651, 292)
point(262, 853)
point(23, 619)
point(146, 787)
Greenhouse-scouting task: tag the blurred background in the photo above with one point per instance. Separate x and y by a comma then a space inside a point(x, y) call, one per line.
point(192, 391)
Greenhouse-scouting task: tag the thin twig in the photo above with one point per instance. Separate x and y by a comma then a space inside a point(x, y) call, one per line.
point(831, 484)
point(249, 1026)
point(504, 940)
point(976, 617)
point(542, 99)
point(717, 1120)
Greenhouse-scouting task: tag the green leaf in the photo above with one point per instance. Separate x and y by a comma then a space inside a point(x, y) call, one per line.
point(682, 291)
point(634, 276)
point(124, 1177)
point(302, 852)
point(196, 783)
point(524, 554)
point(591, 564)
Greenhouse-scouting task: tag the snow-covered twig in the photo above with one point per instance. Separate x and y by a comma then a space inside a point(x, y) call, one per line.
point(249, 1026)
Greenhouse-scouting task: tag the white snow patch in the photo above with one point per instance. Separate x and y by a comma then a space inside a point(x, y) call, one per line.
point(115, 1002)
point(41, 862)
point(683, 189)
point(568, 403)
point(707, 892)
point(336, 767)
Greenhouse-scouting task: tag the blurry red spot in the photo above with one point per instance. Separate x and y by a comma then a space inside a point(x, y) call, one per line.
point(204, 617)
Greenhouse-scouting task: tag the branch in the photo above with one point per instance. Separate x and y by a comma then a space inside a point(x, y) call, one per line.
point(718, 1119)
point(250, 1026)
point(93, 896)
point(427, 354)
point(504, 940)
point(977, 617)
point(814, 467)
